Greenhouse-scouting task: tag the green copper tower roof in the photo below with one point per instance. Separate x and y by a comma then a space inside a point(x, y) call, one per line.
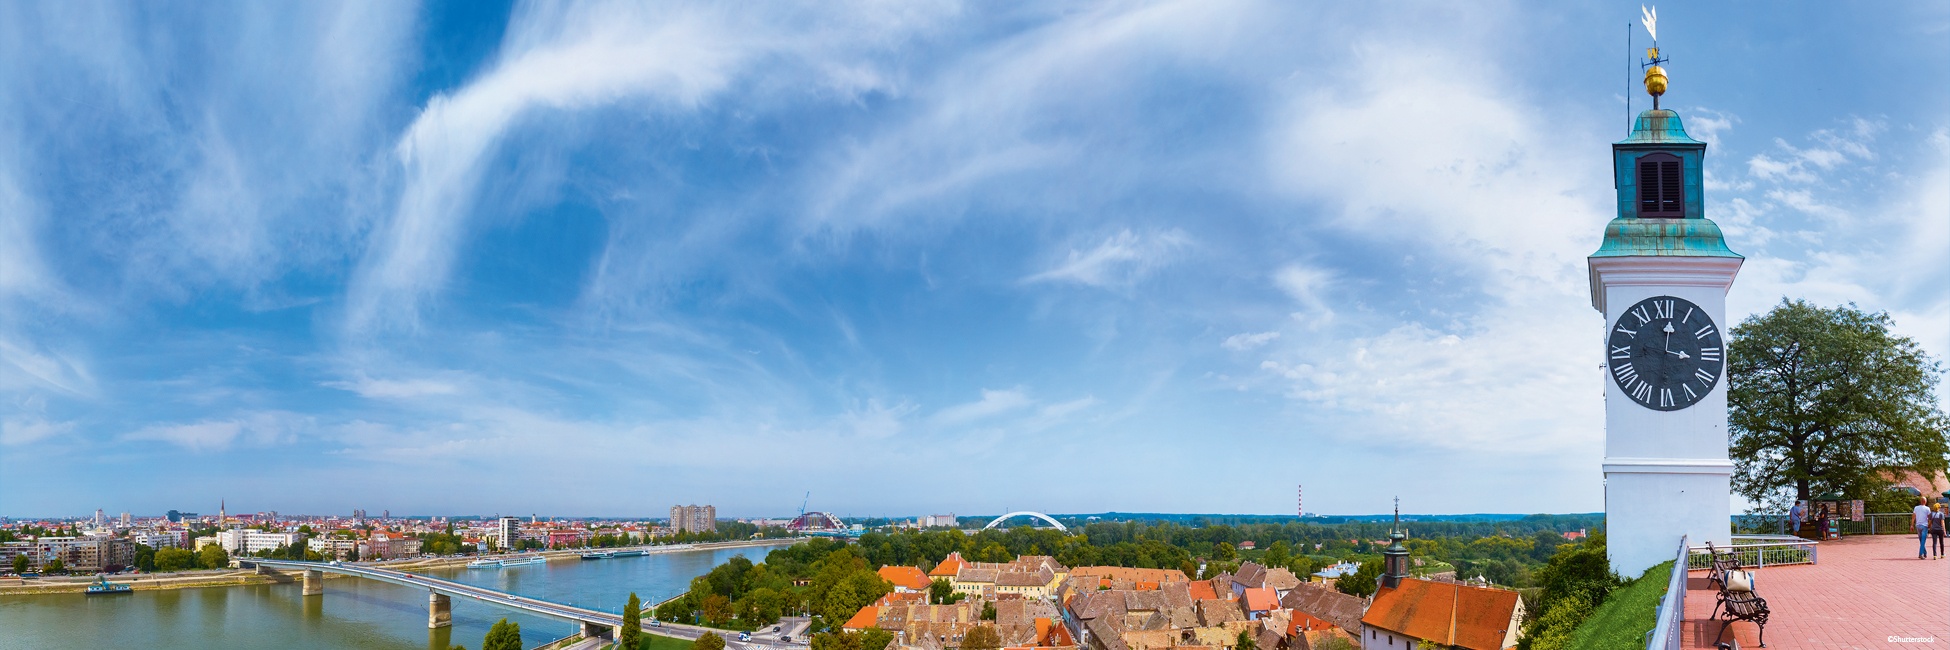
point(1660, 126)
point(1658, 135)
point(1630, 237)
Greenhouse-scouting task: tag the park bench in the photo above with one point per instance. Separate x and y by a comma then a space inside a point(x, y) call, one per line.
point(1743, 605)
point(1723, 561)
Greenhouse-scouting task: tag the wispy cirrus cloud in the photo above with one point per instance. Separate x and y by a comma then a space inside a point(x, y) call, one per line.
point(1120, 260)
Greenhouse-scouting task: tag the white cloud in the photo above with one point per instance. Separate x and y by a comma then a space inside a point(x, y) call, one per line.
point(22, 431)
point(395, 388)
point(255, 429)
point(876, 421)
point(1246, 341)
point(993, 403)
point(568, 57)
point(1122, 259)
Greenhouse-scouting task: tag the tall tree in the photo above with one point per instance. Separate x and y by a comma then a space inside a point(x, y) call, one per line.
point(213, 557)
point(503, 636)
point(632, 631)
point(1245, 641)
point(708, 641)
point(981, 637)
point(1828, 400)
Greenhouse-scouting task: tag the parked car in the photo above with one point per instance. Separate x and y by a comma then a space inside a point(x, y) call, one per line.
point(656, 623)
point(786, 639)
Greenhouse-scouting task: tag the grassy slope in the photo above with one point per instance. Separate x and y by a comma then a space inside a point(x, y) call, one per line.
point(666, 643)
point(1626, 615)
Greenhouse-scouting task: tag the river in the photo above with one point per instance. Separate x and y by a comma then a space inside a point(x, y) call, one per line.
point(353, 613)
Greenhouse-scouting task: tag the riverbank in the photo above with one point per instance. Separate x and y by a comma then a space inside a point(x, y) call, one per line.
point(144, 582)
point(241, 577)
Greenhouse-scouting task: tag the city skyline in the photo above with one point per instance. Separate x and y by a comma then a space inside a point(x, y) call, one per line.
point(604, 258)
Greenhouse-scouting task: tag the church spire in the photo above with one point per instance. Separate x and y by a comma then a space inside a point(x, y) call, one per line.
point(1394, 559)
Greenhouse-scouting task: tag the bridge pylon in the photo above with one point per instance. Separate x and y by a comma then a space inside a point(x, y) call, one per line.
point(314, 583)
point(440, 610)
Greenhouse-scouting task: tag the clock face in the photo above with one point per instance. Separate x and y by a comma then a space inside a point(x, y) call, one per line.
point(1665, 353)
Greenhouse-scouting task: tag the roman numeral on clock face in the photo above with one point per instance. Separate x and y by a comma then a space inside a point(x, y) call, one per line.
point(1689, 391)
point(1644, 316)
point(1665, 397)
point(1642, 392)
point(1625, 373)
point(1703, 332)
point(1709, 354)
point(1621, 352)
point(1621, 328)
point(1662, 308)
point(1704, 376)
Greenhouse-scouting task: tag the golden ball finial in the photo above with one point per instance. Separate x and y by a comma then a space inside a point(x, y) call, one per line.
point(1655, 76)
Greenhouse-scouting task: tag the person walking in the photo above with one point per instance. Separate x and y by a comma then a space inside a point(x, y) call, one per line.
point(1795, 514)
point(1920, 516)
point(1937, 516)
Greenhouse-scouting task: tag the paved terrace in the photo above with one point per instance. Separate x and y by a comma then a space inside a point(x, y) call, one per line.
point(1865, 590)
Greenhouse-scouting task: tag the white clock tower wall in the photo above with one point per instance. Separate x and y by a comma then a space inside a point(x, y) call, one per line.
point(1666, 471)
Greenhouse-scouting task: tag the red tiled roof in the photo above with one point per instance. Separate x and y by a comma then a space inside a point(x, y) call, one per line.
point(1202, 590)
point(1262, 599)
point(1449, 613)
point(1302, 622)
point(905, 576)
point(866, 618)
point(949, 566)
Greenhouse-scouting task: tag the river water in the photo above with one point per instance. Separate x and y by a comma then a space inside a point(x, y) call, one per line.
point(353, 613)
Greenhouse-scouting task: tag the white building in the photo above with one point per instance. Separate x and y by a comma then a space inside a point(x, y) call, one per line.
point(161, 539)
point(507, 532)
point(693, 518)
point(247, 541)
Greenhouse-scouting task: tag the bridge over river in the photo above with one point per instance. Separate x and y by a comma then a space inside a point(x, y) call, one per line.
point(440, 595)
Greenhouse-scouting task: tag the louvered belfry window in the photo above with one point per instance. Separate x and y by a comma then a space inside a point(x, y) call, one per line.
point(1662, 188)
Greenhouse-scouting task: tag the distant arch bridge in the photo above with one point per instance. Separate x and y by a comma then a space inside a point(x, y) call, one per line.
point(998, 520)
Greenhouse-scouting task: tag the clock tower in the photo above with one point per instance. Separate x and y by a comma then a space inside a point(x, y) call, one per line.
point(1661, 278)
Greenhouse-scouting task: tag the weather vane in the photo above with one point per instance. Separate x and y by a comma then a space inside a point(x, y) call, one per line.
point(1655, 76)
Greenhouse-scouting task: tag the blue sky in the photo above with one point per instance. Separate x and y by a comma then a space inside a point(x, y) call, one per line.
point(598, 258)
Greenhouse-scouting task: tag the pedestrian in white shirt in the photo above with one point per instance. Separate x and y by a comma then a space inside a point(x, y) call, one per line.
point(1921, 514)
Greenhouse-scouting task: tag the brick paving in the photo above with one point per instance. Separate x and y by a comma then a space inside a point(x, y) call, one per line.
point(1865, 590)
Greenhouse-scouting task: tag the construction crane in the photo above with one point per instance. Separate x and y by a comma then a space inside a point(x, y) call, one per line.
point(802, 504)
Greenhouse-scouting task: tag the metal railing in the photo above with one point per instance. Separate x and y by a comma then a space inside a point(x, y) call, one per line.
point(1758, 551)
point(1873, 523)
point(1664, 634)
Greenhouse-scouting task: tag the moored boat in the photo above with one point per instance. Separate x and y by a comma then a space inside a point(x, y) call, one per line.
point(103, 587)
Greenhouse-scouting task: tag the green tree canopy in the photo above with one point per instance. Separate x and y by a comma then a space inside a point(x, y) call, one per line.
point(54, 565)
point(503, 636)
point(981, 637)
point(1245, 641)
point(708, 641)
point(1362, 583)
point(1828, 400)
point(20, 564)
point(174, 559)
point(213, 556)
point(632, 631)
